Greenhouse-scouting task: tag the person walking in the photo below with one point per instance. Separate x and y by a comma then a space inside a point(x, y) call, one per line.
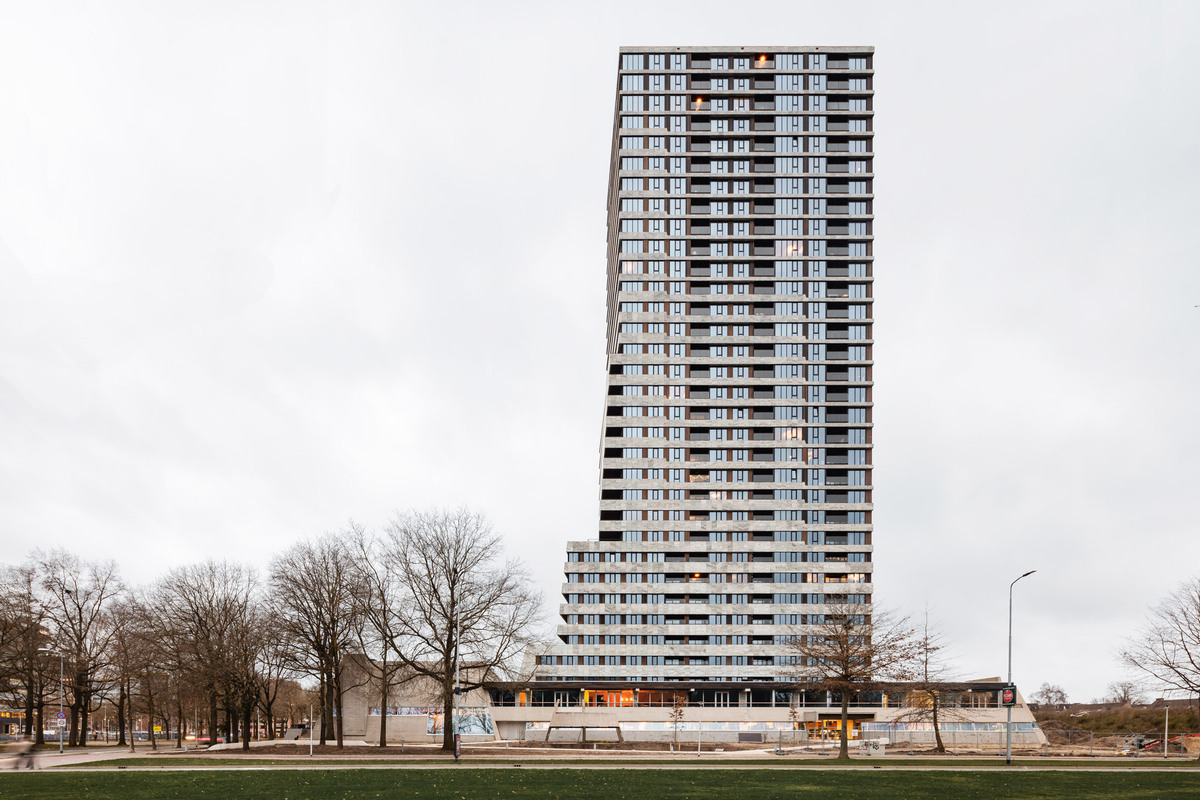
point(24, 754)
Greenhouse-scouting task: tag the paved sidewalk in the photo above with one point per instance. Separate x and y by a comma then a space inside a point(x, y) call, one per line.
point(860, 767)
point(44, 759)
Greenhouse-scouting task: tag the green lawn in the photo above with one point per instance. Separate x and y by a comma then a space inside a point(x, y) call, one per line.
point(175, 761)
point(469, 784)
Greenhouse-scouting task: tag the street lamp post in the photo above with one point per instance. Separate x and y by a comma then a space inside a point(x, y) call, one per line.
point(61, 719)
point(1008, 724)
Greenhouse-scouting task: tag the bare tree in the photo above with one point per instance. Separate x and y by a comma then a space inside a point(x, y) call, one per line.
point(381, 610)
point(291, 701)
point(930, 674)
point(15, 622)
point(1050, 694)
point(126, 657)
point(241, 677)
point(28, 673)
point(78, 599)
point(209, 614)
point(1167, 650)
point(1125, 692)
point(678, 708)
point(314, 584)
point(461, 602)
point(848, 651)
point(274, 673)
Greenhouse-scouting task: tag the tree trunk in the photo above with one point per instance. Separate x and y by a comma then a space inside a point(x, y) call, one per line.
point(212, 717)
point(179, 722)
point(73, 736)
point(29, 683)
point(129, 700)
point(150, 717)
point(324, 689)
point(383, 698)
point(937, 730)
point(247, 710)
point(39, 736)
point(270, 722)
point(843, 744)
point(448, 712)
point(121, 714)
point(85, 702)
point(337, 709)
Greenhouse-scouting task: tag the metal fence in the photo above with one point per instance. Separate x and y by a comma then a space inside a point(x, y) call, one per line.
point(1051, 742)
point(1136, 744)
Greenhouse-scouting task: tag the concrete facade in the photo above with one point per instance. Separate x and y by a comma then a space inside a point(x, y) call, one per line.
point(735, 493)
point(543, 712)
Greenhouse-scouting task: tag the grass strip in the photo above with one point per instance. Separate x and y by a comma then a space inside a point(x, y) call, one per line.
point(627, 784)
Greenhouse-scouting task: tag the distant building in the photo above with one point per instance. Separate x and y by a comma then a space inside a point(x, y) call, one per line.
point(12, 721)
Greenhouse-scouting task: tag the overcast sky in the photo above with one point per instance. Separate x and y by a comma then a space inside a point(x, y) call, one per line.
point(266, 267)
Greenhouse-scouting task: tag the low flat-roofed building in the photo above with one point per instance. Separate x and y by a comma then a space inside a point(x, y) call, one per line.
point(597, 711)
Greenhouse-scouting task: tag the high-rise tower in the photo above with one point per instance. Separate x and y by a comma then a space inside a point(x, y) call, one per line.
point(735, 494)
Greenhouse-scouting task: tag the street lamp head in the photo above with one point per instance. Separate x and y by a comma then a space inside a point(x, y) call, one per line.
point(1019, 577)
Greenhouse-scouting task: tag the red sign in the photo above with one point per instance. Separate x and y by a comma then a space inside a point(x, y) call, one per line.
point(1008, 696)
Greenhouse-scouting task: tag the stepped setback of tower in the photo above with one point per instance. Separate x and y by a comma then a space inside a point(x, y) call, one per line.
point(735, 492)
